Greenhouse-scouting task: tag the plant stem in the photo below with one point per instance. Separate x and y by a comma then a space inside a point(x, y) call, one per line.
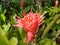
point(50, 25)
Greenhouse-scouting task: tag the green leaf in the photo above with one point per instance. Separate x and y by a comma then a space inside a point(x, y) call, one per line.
point(58, 21)
point(6, 27)
point(3, 39)
point(0, 7)
point(45, 12)
point(54, 43)
point(12, 17)
point(27, 8)
point(23, 41)
point(14, 1)
point(22, 32)
point(47, 42)
point(13, 41)
point(3, 17)
point(20, 14)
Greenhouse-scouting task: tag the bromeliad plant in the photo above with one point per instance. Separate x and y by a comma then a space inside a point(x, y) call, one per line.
point(30, 23)
point(20, 26)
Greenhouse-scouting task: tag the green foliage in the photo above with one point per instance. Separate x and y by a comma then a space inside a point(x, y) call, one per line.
point(3, 37)
point(14, 1)
point(47, 42)
point(10, 35)
point(22, 33)
point(23, 41)
point(13, 41)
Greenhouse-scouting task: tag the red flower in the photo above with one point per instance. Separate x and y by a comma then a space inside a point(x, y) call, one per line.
point(56, 3)
point(30, 22)
point(22, 4)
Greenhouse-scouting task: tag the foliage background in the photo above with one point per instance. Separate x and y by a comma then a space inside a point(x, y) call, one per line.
point(10, 35)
